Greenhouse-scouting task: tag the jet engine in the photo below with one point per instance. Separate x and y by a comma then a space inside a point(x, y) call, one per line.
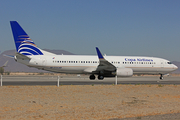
point(124, 72)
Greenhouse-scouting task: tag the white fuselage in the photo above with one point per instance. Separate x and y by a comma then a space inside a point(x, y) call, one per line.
point(81, 64)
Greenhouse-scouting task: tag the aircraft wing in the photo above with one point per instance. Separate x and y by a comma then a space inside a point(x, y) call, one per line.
point(104, 65)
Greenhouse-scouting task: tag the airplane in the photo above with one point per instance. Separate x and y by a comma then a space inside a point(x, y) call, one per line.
point(101, 66)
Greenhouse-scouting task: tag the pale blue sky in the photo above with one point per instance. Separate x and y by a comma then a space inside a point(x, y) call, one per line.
point(117, 27)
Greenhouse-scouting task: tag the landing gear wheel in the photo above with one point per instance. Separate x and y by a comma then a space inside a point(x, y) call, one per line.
point(161, 77)
point(92, 77)
point(100, 77)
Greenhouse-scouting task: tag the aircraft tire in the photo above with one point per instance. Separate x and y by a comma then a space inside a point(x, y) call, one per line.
point(100, 77)
point(92, 77)
point(161, 77)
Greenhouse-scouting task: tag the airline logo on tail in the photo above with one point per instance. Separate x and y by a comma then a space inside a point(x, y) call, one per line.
point(24, 44)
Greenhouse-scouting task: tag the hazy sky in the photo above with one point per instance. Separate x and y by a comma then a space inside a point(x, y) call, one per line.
point(117, 27)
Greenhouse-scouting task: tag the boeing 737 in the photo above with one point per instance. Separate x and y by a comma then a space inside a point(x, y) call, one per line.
point(102, 66)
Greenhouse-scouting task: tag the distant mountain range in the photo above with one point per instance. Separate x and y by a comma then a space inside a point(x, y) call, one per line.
point(14, 66)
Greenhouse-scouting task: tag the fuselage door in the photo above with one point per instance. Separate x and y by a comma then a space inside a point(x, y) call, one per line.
point(44, 62)
point(162, 64)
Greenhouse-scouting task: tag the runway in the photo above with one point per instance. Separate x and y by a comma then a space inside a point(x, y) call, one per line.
point(84, 80)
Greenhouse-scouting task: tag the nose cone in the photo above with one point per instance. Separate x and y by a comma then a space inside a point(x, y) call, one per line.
point(175, 67)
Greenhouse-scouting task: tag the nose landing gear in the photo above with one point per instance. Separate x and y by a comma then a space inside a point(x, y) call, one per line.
point(161, 77)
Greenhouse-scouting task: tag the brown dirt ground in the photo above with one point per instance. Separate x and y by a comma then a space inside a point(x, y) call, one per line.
point(87, 101)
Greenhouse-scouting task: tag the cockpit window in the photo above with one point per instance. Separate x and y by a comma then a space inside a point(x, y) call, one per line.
point(169, 62)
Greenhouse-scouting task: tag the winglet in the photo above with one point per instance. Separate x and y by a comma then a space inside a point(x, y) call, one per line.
point(103, 63)
point(99, 53)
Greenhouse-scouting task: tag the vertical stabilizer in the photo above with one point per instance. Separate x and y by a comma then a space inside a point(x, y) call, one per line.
point(24, 44)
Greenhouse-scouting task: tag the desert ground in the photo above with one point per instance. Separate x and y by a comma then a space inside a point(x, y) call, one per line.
point(93, 102)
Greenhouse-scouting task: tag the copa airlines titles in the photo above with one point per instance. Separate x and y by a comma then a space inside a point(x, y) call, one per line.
point(138, 59)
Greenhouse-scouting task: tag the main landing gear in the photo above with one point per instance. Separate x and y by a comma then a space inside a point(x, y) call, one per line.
point(92, 77)
point(161, 77)
point(100, 77)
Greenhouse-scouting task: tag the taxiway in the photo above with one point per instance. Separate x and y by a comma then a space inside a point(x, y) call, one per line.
point(84, 80)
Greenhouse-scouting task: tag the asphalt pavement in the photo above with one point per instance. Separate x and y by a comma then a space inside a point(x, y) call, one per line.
point(84, 80)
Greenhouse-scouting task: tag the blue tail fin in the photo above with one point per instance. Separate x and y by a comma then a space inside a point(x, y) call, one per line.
point(24, 44)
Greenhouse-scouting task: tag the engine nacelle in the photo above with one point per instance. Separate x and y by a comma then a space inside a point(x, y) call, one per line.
point(124, 72)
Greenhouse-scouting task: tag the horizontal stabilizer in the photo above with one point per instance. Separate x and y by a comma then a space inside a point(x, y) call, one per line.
point(21, 56)
point(10, 56)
